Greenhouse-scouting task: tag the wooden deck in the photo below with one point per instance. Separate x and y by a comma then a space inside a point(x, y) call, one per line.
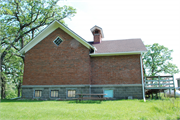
point(157, 84)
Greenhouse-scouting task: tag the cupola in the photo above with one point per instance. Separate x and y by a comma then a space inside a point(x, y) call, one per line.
point(97, 34)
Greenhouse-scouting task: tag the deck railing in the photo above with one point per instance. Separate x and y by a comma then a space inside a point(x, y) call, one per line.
point(159, 82)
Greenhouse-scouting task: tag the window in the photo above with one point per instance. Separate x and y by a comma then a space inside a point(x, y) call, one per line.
point(54, 93)
point(71, 93)
point(96, 32)
point(38, 93)
point(58, 41)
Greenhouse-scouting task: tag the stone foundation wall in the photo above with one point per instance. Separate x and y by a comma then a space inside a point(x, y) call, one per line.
point(119, 92)
point(28, 92)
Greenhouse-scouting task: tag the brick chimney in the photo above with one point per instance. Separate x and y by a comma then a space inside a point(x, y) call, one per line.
point(97, 34)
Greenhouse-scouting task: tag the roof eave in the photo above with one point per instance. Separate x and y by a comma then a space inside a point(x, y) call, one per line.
point(74, 35)
point(117, 53)
point(28, 46)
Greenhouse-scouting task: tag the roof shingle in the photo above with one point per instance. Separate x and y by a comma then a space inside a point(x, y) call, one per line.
point(113, 46)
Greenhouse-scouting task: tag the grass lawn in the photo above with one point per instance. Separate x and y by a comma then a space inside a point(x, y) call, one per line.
point(120, 109)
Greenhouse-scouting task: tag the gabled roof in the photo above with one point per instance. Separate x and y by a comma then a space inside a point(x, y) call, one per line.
point(119, 47)
point(48, 30)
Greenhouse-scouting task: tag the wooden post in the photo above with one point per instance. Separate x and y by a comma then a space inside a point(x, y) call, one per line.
point(174, 88)
point(156, 95)
point(159, 80)
point(159, 85)
point(169, 90)
point(175, 93)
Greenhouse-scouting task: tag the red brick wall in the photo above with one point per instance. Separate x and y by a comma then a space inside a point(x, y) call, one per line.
point(97, 36)
point(70, 64)
point(116, 70)
point(48, 64)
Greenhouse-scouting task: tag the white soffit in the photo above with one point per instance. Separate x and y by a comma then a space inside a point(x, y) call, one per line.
point(48, 30)
point(116, 53)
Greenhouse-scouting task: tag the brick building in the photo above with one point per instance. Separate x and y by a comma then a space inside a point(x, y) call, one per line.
point(59, 64)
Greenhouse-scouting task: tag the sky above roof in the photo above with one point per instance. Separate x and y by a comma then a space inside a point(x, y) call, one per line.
point(154, 21)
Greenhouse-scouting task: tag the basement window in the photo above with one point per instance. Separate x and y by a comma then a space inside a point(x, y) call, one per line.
point(58, 41)
point(54, 93)
point(71, 93)
point(38, 93)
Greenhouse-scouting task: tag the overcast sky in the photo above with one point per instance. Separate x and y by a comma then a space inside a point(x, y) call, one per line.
point(154, 21)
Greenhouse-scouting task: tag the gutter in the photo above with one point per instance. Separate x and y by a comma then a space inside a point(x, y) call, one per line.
point(116, 53)
point(142, 78)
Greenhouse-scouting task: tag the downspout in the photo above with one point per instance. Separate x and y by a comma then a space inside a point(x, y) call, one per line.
point(142, 78)
point(90, 75)
point(90, 72)
point(90, 78)
point(89, 89)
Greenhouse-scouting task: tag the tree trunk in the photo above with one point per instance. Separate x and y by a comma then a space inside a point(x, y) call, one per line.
point(19, 92)
point(3, 84)
point(4, 54)
point(3, 93)
point(19, 89)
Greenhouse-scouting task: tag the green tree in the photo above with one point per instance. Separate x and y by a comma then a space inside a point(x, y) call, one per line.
point(12, 71)
point(158, 60)
point(20, 21)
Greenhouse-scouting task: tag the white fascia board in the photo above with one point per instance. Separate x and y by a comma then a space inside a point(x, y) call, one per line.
point(116, 53)
point(53, 26)
point(39, 37)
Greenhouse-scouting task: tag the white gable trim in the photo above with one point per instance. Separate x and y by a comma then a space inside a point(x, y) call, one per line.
point(116, 53)
point(48, 30)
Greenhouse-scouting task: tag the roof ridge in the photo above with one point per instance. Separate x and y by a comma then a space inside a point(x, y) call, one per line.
point(123, 39)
